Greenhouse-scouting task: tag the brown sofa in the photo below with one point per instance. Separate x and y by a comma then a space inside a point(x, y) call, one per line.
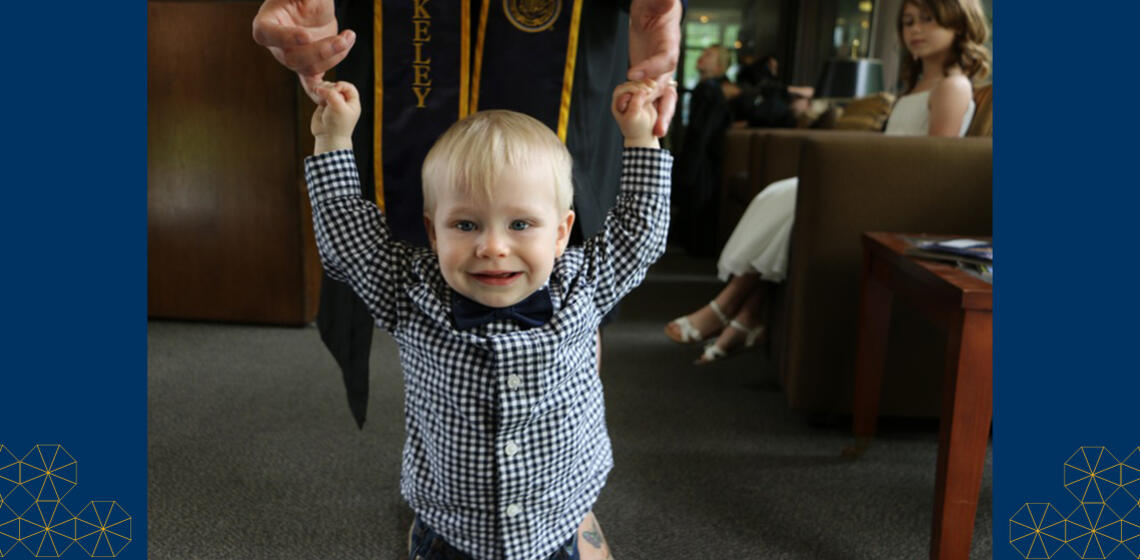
point(851, 182)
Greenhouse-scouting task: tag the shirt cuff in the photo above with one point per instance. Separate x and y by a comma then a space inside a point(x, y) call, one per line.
point(646, 170)
point(332, 175)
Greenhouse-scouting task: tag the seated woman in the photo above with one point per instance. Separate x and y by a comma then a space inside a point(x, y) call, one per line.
point(944, 39)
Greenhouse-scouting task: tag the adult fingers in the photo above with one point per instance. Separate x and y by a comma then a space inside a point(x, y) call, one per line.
point(666, 106)
point(633, 86)
point(311, 84)
point(325, 94)
point(269, 33)
point(662, 62)
point(320, 56)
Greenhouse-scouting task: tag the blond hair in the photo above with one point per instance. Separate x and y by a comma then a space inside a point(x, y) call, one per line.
point(474, 152)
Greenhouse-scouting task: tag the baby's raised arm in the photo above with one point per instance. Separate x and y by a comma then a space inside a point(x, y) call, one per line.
point(637, 121)
point(353, 239)
point(335, 117)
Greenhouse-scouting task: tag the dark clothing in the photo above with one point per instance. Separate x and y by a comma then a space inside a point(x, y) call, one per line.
point(763, 101)
point(754, 74)
point(697, 174)
point(592, 137)
point(428, 545)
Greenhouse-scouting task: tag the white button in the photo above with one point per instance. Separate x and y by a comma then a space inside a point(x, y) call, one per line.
point(513, 510)
point(514, 381)
point(511, 448)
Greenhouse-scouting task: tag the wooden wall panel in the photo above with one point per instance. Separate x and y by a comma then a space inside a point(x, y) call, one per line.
point(229, 237)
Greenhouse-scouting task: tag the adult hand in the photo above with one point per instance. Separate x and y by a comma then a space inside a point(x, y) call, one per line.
point(302, 36)
point(654, 47)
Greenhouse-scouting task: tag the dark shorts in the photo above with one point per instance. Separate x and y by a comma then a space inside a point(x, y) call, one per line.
point(428, 545)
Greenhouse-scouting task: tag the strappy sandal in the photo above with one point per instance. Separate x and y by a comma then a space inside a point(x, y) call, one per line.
point(714, 353)
point(689, 333)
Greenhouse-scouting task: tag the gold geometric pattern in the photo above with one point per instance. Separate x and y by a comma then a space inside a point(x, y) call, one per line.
point(1092, 474)
point(1037, 531)
point(32, 513)
point(1106, 522)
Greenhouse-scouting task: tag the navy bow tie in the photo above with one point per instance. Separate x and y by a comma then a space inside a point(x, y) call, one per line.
point(534, 311)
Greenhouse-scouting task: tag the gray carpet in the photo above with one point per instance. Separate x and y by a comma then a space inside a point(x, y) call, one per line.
point(254, 455)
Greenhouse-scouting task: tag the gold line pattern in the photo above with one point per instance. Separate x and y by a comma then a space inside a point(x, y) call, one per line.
point(479, 38)
point(568, 76)
point(1105, 524)
point(32, 513)
point(464, 58)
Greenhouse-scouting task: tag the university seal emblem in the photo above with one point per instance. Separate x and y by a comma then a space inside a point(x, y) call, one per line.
point(532, 16)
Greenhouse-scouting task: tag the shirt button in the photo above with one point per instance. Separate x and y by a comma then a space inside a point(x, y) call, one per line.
point(513, 510)
point(514, 381)
point(511, 449)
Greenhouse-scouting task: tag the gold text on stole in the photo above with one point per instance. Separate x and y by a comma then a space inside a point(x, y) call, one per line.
point(421, 65)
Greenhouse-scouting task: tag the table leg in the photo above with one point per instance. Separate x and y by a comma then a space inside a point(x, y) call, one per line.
point(967, 408)
point(874, 326)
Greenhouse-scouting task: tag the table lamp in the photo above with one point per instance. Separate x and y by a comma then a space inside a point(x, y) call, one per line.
point(848, 78)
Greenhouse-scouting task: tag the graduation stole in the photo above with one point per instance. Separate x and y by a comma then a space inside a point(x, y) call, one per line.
point(437, 61)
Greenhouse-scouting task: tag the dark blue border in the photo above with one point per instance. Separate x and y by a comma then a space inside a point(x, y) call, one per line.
point(74, 278)
point(1066, 302)
point(1065, 204)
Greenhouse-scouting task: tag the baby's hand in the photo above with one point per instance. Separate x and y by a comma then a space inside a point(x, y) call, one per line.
point(335, 117)
point(637, 120)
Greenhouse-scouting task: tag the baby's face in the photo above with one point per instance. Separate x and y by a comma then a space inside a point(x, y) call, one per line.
point(499, 251)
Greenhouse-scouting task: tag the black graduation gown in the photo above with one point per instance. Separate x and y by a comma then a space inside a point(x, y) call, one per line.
point(592, 137)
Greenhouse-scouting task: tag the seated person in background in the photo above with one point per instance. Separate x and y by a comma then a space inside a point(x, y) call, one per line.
point(765, 100)
point(757, 70)
point(506, 447)
point(945, 39)
point(696, 178)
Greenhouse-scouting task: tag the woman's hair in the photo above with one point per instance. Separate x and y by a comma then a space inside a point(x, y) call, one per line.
point(474, 152)
point(968, 22)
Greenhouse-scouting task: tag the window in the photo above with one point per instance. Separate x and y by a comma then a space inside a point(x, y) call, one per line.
point(703, 29)
point(851, 36)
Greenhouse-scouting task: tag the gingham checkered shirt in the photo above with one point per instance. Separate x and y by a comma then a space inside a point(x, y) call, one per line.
point(506, 447)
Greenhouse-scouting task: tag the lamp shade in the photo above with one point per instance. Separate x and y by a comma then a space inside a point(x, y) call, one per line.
point(848, 78)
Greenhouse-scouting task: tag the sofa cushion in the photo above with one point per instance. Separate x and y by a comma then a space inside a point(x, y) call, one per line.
point(983, 121)
point(866, 113)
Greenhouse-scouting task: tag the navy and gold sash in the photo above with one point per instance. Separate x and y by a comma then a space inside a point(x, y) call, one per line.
point(436, 61)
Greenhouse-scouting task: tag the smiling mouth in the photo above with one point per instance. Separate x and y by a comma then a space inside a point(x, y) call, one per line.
point(496, 278)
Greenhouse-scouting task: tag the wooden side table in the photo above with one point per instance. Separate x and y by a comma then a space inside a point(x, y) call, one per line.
point(962, 304)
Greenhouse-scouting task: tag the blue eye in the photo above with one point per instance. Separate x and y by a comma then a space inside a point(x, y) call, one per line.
point(465, 225)
point(519, 225)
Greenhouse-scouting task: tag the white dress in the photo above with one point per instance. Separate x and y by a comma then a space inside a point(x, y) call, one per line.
point(760, 241)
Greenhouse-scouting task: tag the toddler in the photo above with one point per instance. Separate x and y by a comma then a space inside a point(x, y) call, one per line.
point(506, 447)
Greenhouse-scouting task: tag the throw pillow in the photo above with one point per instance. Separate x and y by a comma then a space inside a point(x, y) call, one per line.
point(866, 113)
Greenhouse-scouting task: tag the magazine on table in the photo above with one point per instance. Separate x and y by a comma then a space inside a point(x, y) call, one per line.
point(972, 255)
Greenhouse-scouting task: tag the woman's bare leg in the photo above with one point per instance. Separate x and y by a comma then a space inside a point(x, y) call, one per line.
point(750, 315)
point(730, 299)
